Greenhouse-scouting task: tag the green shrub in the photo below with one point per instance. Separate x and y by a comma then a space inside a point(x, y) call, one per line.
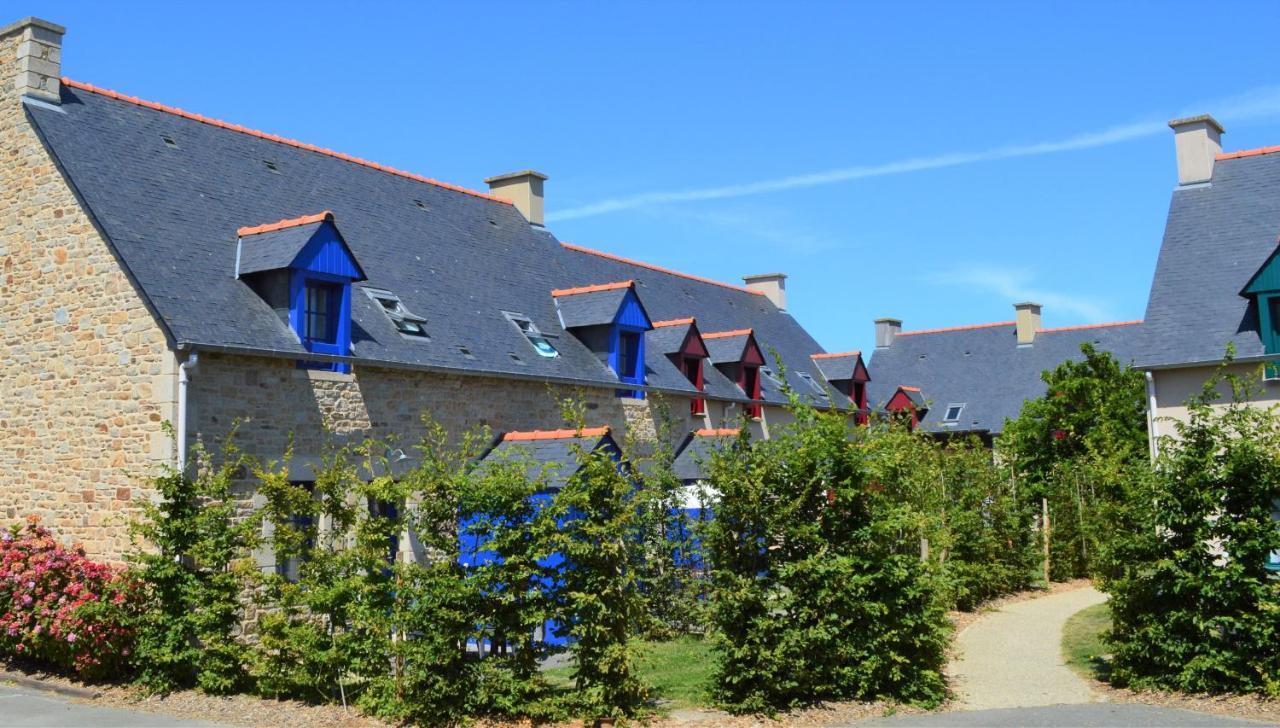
point(819, 592)
point(1193, 604)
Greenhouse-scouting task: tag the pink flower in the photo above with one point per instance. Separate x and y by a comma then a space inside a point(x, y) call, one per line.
point(71, 637)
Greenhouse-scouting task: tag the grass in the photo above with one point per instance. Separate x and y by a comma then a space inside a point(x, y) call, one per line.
point(1082, 643)
point(679, 671)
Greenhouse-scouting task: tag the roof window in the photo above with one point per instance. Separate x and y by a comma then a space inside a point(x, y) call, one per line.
point(953, 413)
point(813, 383)
point(536, 338)
point(773, 377)
point(405, 322)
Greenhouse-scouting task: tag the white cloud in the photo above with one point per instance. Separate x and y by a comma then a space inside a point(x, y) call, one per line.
point(1253, 104)
point(1015, 285)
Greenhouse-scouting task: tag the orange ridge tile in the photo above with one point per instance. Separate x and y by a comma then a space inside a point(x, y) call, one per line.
point(282, 224)
point(274, 138)
point(1090, 326)
point(659, 269)
point(1248, 153)
point(957, 328)
point(555, 434)
point(673, 322)
point(905, 388)
point(592, 289)
point(723, 432)
point(727, 334)
point(837, 355)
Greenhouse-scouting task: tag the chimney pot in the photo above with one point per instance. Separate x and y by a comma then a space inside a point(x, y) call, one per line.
point(1197, 140)
point(39, 57)
point(524, 189)
point(772, 285)
point(1028, 321)
point(886, 330)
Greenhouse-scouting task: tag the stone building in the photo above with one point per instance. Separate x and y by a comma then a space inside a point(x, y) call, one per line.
point(165, 267)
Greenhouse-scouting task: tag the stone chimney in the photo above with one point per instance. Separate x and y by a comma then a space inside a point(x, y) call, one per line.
point(772, 285)
point(39, 57)
point(524, 189)
point(886, 330)
point(1028, 321)
point(1197, 139)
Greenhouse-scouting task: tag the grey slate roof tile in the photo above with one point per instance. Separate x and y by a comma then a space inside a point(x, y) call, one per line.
point(696, 451)
point(276, 249)
point(596, 308)
point(554, 459)
point(983, 369)
point(1216, 237)
point(459, 260)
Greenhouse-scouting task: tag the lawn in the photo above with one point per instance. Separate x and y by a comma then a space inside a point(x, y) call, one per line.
point(1082, 643)
point(678, 671)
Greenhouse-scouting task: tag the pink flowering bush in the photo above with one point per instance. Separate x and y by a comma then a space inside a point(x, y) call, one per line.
point(59, 608)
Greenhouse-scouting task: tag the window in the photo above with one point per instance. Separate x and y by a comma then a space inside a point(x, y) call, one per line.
point(628, 354)
point(769, 374)
point(750, 384)
point(953, 413)
point(390, 511)
point(813, 383)
point(691, 366)
point(537, 339)
point(1273, 559)
point(304, 523)
point(405, 322)
point(320, 313)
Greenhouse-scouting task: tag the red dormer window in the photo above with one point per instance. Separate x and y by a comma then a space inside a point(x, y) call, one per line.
point(749, 380)
point(692, 368)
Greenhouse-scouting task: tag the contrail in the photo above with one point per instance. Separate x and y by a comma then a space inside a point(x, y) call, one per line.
point(1260, 102)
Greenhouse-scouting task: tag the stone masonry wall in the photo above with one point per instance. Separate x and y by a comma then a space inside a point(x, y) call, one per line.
point(83, 365)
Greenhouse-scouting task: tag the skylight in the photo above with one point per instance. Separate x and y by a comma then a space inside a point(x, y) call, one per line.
point(813, 383)
point(953, 413)
point(772, 377)
point(530, 330)
point(405, 322)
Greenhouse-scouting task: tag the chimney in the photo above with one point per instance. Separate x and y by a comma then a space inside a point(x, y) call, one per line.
point(39, 57)
point(772, 285)
point(1028, 320)
point(524, 189)
point(886, 330)
point(1197, 139)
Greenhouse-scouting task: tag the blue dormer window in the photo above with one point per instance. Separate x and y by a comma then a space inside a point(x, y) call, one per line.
point(611, 321)
point(311, 255)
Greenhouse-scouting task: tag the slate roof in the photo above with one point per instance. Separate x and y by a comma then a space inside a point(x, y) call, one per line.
point(552, 454)
point(983, 368)
point(590, 307)
point(455, 257)
point(838, 367)
point(1216, 237)
point(717, 307)
point(696, 451)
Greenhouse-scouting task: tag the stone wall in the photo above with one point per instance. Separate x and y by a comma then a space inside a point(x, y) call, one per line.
point(85, 368)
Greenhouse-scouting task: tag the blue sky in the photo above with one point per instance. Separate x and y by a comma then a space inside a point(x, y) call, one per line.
point(936, 164)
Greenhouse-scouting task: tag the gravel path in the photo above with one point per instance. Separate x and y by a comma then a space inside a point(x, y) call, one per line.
point(1013, 657)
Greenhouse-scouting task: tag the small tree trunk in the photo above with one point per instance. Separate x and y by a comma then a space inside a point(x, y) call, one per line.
point(1044, 530)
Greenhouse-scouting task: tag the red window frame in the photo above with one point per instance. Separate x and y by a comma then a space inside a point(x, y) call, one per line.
point(692, 368)
point(749, 380)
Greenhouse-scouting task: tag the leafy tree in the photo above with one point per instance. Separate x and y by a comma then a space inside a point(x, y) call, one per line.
point(192, 560)
point(818, 589)
point(1193, 604)
point(1078, 446)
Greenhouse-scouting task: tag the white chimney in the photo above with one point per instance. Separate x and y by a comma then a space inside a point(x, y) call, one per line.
point(772, 285)
point(886, 330)
point(524, 189)
point(39, 57)
point(1197, 139)
point(1028, 321)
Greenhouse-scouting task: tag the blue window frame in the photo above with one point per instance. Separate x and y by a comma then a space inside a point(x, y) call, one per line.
point(626, 358)
point(320, 312)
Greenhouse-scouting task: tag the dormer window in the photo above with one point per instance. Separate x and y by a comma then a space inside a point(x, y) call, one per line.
point(611, 321)
point(738, 356)
point(304, 269)
point(405, 322)
point(847, 374)
point(1264, 289)
point(681, 342)
point(530, 331)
